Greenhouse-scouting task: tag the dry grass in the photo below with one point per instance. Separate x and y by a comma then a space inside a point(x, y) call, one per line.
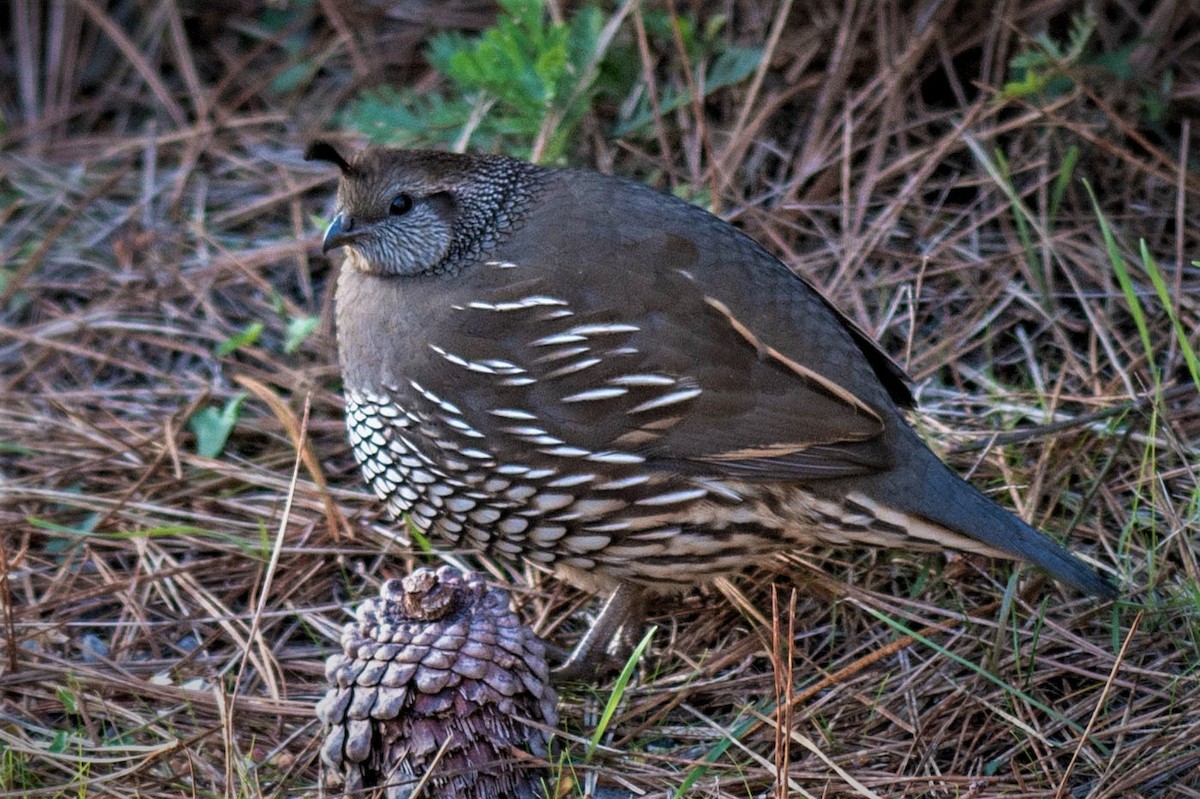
point(166, 615)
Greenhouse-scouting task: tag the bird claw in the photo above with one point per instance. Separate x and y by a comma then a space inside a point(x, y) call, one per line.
point(610, 640)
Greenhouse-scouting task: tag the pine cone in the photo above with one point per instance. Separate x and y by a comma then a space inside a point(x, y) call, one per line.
point(439, 660)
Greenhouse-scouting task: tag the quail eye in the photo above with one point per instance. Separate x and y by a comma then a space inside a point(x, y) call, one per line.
point(401, 205)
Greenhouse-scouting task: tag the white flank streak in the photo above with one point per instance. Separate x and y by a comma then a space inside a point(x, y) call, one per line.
point(503, 366)
point(596, 394)
point(511, 413)
point(717, 487)
point(473, 366)
point(615, 457)
point(449, 356)
point(524, 430)
point(563, 354)
point(608, 527)
point(536, 301)
point(593, 330)
point(687, 495)
point(571, 480)
point(501, 264)
point(643, 380)
point(561, 338)
point(566, 452)
point(571, 368)
point(667, 399)
point(624, 482)
point(658, 533)
point(421, 458)
point(518, 381)
point(476, 454)
point(459, 424)
point(449, 407)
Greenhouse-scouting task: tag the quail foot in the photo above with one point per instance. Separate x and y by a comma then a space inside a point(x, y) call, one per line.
point(577, 370)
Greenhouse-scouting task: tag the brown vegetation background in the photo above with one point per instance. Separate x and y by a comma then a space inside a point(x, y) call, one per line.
point(157, 639)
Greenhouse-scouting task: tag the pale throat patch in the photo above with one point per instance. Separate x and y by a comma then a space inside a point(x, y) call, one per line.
point(355, 260)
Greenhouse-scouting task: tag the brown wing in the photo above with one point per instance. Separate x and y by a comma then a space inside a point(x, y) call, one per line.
point(707, 356)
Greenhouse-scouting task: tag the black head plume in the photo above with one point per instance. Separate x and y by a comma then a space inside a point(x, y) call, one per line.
point(321, 150)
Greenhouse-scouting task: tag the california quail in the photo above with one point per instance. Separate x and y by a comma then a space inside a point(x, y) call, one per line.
point(575, 369)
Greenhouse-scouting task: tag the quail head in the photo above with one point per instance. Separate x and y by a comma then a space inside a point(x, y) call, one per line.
point(577, 370)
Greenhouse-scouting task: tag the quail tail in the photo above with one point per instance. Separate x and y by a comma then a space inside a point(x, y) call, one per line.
point(928, 490)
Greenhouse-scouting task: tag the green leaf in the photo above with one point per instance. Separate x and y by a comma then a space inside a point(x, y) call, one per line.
point(7, 448)
point(732, 66)
point(85, 527)
point(293, 77)
point(248, 336)
point(526, 75)
point(298, 330)
point(67, 699)
point(212, 427)
point(1030, 83)
point(419, 539)
point(583, 37)
point(404, 118)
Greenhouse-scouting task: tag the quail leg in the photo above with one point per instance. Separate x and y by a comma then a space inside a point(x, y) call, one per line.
point(623, 614)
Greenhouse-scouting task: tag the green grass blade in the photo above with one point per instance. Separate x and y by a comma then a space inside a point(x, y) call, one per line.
point(1063, 180)
point(1164, 295)
point(1127, 288)
point(618, 692)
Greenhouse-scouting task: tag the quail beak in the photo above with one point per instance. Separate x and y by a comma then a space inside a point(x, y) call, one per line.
point(340, 231)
